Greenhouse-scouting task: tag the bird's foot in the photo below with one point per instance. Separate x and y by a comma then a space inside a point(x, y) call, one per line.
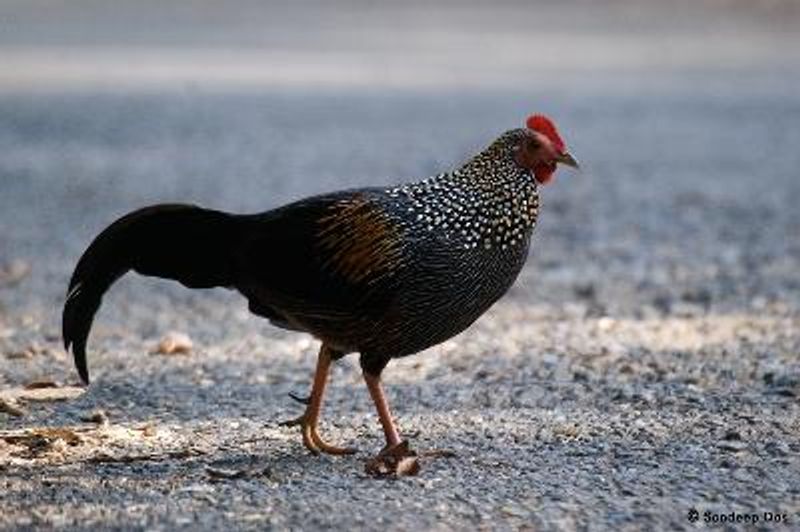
point(311, 438)
point(395, 461)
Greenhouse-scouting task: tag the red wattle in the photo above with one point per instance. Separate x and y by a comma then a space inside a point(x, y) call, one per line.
point(543, 173)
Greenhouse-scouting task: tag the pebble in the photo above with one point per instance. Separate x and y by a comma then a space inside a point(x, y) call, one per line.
point(96, 416)
point(13, 272)
point(174, 343)
point(734, 446)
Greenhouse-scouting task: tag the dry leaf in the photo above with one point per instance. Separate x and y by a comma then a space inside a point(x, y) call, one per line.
point(22, 436)
point(105, 457)
point(37, 442)
point(174, 343)
point(40, 384)
point(407, 466)
point(95, 443)
point(396, 461)
point(62, 393)
point(21, 354)
point(10, 406)
point(57, 433)
point(28, 352)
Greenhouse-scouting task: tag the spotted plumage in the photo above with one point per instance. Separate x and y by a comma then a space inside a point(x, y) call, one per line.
point(385, 272)
point(488, 202)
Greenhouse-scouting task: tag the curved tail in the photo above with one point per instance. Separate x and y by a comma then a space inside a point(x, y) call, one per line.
point(182, 242)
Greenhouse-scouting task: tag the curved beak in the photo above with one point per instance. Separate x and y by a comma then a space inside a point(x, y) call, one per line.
point(567, 159)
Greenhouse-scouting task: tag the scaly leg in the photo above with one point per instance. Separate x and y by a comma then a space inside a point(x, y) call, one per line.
point(396, 458)
point(310, 418)
point(379, 398)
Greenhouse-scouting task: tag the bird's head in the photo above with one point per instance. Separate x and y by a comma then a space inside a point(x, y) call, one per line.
point(540, 149)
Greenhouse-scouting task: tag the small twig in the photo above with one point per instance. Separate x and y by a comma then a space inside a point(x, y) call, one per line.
point(126, 459)
point(438, 453)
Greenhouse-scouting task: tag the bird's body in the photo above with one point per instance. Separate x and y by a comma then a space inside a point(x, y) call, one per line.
point(397, 270)
point(385, 272)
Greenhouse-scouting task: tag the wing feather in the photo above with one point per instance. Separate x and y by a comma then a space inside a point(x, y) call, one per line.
point(326, 263)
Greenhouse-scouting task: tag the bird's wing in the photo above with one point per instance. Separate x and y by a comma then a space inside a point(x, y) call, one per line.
point(330, 258)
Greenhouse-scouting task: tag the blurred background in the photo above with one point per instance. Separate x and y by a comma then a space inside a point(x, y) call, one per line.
point(668, 267)
point(50, 45)
point(674, 108)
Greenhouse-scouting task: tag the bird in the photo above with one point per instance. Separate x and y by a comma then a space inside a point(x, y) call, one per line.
point(385, 272)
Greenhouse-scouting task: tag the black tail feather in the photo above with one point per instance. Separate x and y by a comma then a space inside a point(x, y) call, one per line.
point(180, 242)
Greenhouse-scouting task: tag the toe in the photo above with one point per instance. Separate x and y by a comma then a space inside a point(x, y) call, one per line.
point(308, 439)
point(328, 448)
point(293, 422)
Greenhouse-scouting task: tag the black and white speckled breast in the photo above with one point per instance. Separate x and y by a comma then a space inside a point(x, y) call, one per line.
point(467, 235)
point(488, 202)
point(469, 216)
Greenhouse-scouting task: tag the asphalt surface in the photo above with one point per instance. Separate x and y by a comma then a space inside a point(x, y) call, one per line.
point(646, 363)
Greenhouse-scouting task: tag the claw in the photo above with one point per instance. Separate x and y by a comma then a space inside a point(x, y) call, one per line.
point(308, 421)
point(293, 422)
point(327, 448)
point(308, 438)
point(312, 440)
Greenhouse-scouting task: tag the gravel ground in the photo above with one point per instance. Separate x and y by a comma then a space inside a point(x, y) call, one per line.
point(645, 363)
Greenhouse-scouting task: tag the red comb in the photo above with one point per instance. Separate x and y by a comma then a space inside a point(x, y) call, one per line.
point(545, 126)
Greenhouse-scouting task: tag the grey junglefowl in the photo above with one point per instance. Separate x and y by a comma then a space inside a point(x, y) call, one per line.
point(383, 272)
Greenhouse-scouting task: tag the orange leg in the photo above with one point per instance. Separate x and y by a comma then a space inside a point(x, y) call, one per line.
point(310, 418)
point(379, 398)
